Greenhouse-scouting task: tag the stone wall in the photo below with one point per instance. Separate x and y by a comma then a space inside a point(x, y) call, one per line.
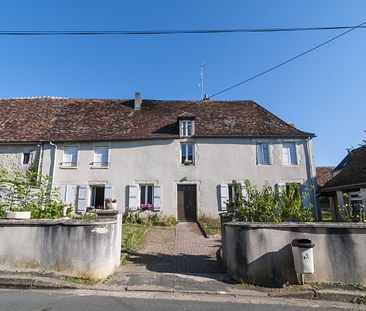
point(11, 157)
point(85, 248)
point(260, 253)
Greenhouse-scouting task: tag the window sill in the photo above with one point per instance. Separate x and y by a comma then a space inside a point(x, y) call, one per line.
point(264, 165)
point(68, 167)
point(290, 165)
point(185, 165)
point(99, 167)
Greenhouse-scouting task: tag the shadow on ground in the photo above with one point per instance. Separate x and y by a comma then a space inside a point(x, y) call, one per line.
point(179, 263)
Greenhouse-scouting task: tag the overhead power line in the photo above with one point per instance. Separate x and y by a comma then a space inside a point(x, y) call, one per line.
point(289, 60)
point(164, 32)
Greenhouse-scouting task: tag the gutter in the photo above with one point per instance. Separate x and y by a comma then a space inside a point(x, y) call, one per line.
point(344, 187)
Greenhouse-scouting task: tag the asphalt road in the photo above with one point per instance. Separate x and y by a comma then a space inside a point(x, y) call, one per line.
point(28, 300)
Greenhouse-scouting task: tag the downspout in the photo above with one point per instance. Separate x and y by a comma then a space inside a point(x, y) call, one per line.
point(312, 176)
point(40, 162)
point(54, 162)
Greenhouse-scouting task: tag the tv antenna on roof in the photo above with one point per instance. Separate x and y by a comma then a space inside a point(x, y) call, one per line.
point(202, 80)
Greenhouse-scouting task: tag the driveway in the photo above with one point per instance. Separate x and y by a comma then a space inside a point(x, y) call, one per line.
point(175, 258)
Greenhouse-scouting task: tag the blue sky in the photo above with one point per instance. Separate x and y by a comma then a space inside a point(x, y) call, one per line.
point(323, 92)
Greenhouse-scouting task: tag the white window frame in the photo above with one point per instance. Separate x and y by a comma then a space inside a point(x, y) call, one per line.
point(70, 164)
point(289, 162)
point(102, 164)
point(29, 160)
point(186, 128)
point(260, 157)
point(186, 153)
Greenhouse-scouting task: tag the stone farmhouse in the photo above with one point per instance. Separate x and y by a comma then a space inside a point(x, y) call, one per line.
point(177, 157)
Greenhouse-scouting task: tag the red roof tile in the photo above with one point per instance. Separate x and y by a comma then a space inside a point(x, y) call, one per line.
point(60, 119)
point(323, 174)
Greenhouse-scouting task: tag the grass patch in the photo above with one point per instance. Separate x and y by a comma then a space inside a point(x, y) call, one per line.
point(326, 215)
point(79, 280)
point(340, 286)
point(133, 238)
point(210, 226)
point(360, 300)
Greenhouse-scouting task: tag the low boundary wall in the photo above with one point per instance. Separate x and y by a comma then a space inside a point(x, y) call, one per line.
point(260, 253)
point(83, 248)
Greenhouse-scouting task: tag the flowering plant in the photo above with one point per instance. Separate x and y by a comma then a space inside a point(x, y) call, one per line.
point(146, 206)
point(110, 201)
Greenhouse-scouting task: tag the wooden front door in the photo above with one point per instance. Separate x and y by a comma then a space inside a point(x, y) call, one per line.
point(187, 203)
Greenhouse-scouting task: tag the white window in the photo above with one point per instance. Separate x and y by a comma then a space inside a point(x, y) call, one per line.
point(187, 154)
point(70, 156)
point(263, 154)
point(146, 196)
point(231, 193)
point(289, 154)
point(186, 128)
point(101, 156)
point(26, 158)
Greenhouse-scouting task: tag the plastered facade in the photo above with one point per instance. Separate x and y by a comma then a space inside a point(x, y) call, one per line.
point(217, 161)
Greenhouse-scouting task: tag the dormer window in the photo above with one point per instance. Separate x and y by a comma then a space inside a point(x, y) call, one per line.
point(186, 128)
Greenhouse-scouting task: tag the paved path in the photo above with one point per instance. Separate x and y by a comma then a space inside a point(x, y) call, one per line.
point(180, 250)
point(196, 254)
point(180, 258)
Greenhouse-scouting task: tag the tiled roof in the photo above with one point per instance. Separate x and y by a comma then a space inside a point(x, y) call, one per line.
point(323, 174)
point(354, 173)
point(60, 119)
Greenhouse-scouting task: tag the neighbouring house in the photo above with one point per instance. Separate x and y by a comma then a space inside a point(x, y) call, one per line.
point(323, 174)
point(347, 186)
point(177, 157)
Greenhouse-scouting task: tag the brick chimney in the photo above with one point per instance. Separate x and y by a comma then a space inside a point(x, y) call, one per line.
point(138, 101)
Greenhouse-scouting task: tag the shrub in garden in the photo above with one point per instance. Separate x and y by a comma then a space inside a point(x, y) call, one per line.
point(26, 192)
point(269, 205)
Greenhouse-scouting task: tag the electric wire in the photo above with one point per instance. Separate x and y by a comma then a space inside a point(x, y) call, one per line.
point(287, 61)
point(165, 32)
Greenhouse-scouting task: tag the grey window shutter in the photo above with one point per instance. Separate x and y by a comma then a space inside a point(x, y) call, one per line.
point(63, 192)
point(157, 197)
point(108, 192)
point(133, 200)
point(83, 193)
point(259, 153)
point(71, 194)
point(224, 195)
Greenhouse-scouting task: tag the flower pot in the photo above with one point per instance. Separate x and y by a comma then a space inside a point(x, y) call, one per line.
point(111, 205)
point(17, 215)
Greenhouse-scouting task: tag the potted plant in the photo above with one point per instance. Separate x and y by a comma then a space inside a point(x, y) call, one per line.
point(188, 162)
point(16, 212)
point(110, 203)
point(146, 207)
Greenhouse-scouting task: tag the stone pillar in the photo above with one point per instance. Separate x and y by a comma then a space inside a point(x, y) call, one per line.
point(339, 205)
point(333, 208)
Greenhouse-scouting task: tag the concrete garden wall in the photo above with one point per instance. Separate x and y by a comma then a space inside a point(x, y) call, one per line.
point(85, 248)
point(260, 253)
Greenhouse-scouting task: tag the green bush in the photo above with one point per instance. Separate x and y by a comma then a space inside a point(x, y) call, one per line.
point(148, 218)
point(268, 204)
point(27, 192)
